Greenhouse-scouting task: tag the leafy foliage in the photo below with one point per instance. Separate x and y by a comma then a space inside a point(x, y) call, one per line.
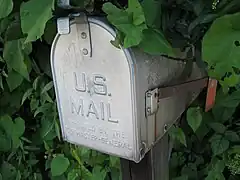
point(30, 138)
point(229, 50)
point(34, 16)
point(59, 165)
point(31, 143)
point(132, 23)
point(194, 118)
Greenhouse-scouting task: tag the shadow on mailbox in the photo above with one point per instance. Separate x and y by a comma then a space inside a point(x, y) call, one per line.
point(106, 96)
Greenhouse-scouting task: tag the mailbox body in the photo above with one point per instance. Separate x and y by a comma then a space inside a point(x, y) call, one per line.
point(101, 97)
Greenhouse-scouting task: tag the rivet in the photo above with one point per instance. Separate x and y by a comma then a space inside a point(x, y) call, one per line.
point(83, 35)
point(142, 150)
point(148, 109)
point(165, 128)
point(85, 51)
point(212, 84)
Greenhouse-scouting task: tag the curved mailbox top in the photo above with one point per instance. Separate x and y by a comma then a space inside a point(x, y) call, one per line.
point(95, 90)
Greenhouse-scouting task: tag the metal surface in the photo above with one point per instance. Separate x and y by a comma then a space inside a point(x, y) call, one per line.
point(63, 25)
point(63, 3)
point(101, 91)
point(94, 94)
point(152, 102)
point(191, 86)
point(83, 34)
point(153, 96)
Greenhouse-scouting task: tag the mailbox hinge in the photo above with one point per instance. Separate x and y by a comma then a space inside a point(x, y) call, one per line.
point(153, 96)
point(83, 30)
point(63, 23)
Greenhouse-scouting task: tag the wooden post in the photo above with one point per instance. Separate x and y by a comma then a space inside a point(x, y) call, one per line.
point(154, 166)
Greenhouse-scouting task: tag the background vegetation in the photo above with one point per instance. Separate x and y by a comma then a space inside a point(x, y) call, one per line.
point(207, 145)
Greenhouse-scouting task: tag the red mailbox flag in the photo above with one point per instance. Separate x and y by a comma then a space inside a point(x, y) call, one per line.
point(211, 94)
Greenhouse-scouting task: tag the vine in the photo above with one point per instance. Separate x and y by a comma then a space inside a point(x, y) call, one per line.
point(206, 145)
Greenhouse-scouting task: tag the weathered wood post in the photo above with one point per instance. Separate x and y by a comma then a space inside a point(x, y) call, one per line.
point(118, 101)
point(154, 166)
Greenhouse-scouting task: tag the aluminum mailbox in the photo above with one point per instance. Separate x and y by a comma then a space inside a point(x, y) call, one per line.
point(105, 94)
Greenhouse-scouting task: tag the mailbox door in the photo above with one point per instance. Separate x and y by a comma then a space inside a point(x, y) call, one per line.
point(95, 93)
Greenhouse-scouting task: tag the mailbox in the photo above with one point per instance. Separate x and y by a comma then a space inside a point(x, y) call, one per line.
point(108, 98)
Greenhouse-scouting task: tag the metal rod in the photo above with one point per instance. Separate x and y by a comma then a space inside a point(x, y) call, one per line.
point(170, 91)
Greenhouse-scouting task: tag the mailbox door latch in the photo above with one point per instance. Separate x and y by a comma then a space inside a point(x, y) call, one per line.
point(153, 96)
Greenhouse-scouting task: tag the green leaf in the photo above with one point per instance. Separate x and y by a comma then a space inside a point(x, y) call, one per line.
point(57, 130)
point(212, 175)
point(183, 177)
point(112, 10)
point(34, 16)
point(26, 95)
point(85, 153)
point(14, 57)
point(73, 174)
point(98, 173)
point(46, 127)
point(234, 150)
point(34, 104)
point(4, 73)
point(230, 81)
point(14, 80)
point(59, 165)
point(18, 177)
point(225, 105)
point(14, 130)
point(215, 172)
point(218, 127)
point(7, 124)
point(133, 35)
point(1, 59)
point(219, 144)
point(5, 142)
point(15, 142)
point(121, 20)
point(1, 83)
point(5, 8)
point(178, 134)
point(194, 118)
point(47, 87)
point(190, 169)
point(222, 30)
point(4, 23)
point(13, 31)
point(232, 136)
point(27, 48)
point(154, 43)
point(115, 174)
point(135, 8)
point(36, 82)
point(114, 161)
point(19, 127)
point(43, 109)
point(8, 171)
point(152, 11)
